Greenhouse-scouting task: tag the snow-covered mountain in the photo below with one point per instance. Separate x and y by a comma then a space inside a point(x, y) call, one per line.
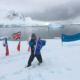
point(12, 15)
point(11, 18)
point(15, 19)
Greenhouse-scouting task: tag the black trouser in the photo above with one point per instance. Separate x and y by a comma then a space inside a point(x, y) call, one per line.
point(39, 58)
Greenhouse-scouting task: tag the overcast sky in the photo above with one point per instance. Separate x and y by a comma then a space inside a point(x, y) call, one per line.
point(64, 11)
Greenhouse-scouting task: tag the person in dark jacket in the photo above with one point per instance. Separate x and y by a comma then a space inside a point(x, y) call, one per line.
point(32, 44)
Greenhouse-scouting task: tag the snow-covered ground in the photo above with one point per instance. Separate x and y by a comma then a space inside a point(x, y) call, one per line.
point(59, 62)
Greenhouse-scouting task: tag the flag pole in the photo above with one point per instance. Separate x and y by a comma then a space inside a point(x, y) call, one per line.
point(20, 43)
point(28, 39)
point(61, 39)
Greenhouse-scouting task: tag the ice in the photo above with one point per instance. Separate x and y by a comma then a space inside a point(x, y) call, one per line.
point(59, 62)
point(54, 26)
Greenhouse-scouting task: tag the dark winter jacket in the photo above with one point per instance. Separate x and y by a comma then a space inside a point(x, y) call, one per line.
point(32, 44)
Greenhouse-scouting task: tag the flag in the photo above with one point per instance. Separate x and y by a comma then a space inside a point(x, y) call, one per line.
point(68, 38)
point(28, 48)
point(29, 38)
point(18, 47)
point(17, 35)
point(39, 45)
point(5, 44)
point(39, 38)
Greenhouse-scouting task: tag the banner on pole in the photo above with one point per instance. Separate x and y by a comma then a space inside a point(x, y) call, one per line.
point(68, 38)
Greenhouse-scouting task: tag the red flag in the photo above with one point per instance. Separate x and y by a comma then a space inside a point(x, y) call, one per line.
point(28, 40)
point(29, 48)
point(18, 47)
point(7, 51)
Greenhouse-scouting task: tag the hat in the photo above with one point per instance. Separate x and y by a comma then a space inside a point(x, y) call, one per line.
point(33, 35)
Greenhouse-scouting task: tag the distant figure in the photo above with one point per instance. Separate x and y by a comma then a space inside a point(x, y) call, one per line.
point(32, 44)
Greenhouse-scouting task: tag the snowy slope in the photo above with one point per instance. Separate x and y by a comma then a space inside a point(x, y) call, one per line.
point(59, 62)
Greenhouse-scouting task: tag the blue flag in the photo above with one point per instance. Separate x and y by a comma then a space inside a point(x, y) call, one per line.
point(5, 42)
point(39, 45)
point(68, 38)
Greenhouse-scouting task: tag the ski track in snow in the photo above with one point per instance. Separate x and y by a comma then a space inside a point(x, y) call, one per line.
point(59, 63)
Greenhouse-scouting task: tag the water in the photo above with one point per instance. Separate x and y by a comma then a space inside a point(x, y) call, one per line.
point(42, 32)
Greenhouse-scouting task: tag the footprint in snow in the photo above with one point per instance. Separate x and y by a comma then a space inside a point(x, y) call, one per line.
point(56, 57)
point(17, 72)
point(40, 75)
point(2, 77)
point(47, 68)
point(60, 72)
point(53, 72)
point(68, 69)
point(66, 56)
point(12, 60)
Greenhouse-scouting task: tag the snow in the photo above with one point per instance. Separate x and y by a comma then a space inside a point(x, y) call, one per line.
point(59, 62)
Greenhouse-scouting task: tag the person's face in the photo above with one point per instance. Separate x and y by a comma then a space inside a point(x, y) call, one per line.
point(33, 38)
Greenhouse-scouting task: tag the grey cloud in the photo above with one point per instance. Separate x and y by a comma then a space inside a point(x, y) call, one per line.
point(69, 10)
